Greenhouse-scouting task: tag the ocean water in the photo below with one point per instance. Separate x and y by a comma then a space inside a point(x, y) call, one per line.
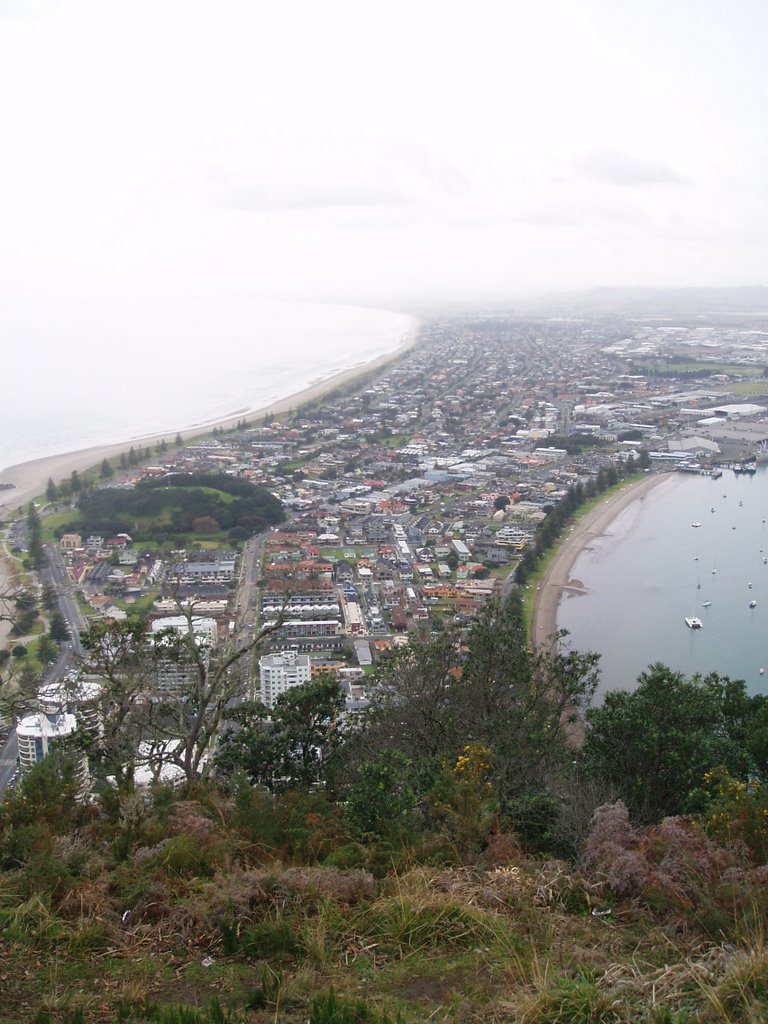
point(78, 375)
point(653, 568)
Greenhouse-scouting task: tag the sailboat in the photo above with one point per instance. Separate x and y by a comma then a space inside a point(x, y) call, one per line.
point(693, 621)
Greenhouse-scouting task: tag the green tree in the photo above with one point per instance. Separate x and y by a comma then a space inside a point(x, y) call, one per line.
point(414, 707)
point(25, 601)
point(106, 472)
point(444, 692)
point(46, 649)
point(178, 729)
point(59, 631)
point(49, 597)
point(500, 502)
point(25, 623)
point(34, 528)
point(383, 800)
point(523, 703)
point(656, 743)
point(119, 655)
point(291, 745)
point(50, 490)
point(75, 481)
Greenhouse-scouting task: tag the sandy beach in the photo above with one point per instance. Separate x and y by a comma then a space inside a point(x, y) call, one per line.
point(557, 578)
point(30, 478)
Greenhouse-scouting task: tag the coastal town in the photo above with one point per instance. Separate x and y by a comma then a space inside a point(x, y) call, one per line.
point(384, 513)
point(403, 501)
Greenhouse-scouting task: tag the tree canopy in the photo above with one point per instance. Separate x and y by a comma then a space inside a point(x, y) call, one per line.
point(289, 745)
point(656, 743)
point(442, 693)
point(176, 502)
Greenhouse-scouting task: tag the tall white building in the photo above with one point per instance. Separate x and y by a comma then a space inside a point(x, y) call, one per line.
point(75, 695)
point(281, 672)
point(37, 734)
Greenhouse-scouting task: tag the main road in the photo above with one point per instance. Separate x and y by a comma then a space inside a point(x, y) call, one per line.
point(55, 573)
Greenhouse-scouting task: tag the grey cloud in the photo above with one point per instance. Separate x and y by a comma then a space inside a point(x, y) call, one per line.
point(612, 167)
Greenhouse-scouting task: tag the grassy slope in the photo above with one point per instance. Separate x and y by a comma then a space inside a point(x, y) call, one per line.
point(194, 909)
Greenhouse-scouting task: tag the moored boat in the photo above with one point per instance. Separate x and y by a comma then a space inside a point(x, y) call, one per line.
point(693, 622)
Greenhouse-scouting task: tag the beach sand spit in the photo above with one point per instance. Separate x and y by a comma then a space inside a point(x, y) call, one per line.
point(29, 479)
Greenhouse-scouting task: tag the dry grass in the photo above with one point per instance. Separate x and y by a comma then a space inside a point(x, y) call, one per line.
point(505, 940)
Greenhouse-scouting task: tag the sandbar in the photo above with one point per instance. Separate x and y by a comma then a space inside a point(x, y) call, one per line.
point(29, 479)
point(557, 576)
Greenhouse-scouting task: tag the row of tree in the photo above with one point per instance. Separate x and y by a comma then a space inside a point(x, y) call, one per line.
point(75, 484)
point(559, 515)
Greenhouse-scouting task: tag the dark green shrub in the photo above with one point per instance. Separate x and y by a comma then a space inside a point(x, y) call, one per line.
point(350, 855)
point(49, 875)
point(269, 939)
point(263, 940)
point(330, 1008)
point(188, 857)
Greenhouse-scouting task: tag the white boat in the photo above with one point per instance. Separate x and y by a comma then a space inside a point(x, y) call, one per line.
point(706, 604)
point(692, 622)
point(753, 604)
point(695, 525)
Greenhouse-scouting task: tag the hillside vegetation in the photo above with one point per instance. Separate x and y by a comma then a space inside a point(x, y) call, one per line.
point(242, 907)
point(450, 856)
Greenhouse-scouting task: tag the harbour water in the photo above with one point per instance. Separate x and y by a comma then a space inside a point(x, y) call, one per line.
point(76, 376)
point(653, 568)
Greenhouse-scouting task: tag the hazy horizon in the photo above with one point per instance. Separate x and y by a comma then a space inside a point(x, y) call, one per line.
point(382, 155)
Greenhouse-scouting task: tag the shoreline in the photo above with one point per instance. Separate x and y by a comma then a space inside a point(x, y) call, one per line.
point(557, 577)
point(30, 478)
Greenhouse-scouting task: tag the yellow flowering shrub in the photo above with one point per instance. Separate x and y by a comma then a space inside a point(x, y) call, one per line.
point(463, 798)
point(738, 812)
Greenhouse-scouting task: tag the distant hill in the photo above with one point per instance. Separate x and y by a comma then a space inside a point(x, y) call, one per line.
point(654, 301)
point(751, 301)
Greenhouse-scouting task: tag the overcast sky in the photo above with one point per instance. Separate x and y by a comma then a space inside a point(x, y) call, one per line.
point(380, 151)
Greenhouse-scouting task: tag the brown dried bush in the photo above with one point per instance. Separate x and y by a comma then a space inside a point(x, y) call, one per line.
point(673, 867)
point(502, 849)
point(188, 817)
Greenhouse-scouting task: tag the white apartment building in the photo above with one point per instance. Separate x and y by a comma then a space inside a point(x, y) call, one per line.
point(281, 672)
point(37, 734)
